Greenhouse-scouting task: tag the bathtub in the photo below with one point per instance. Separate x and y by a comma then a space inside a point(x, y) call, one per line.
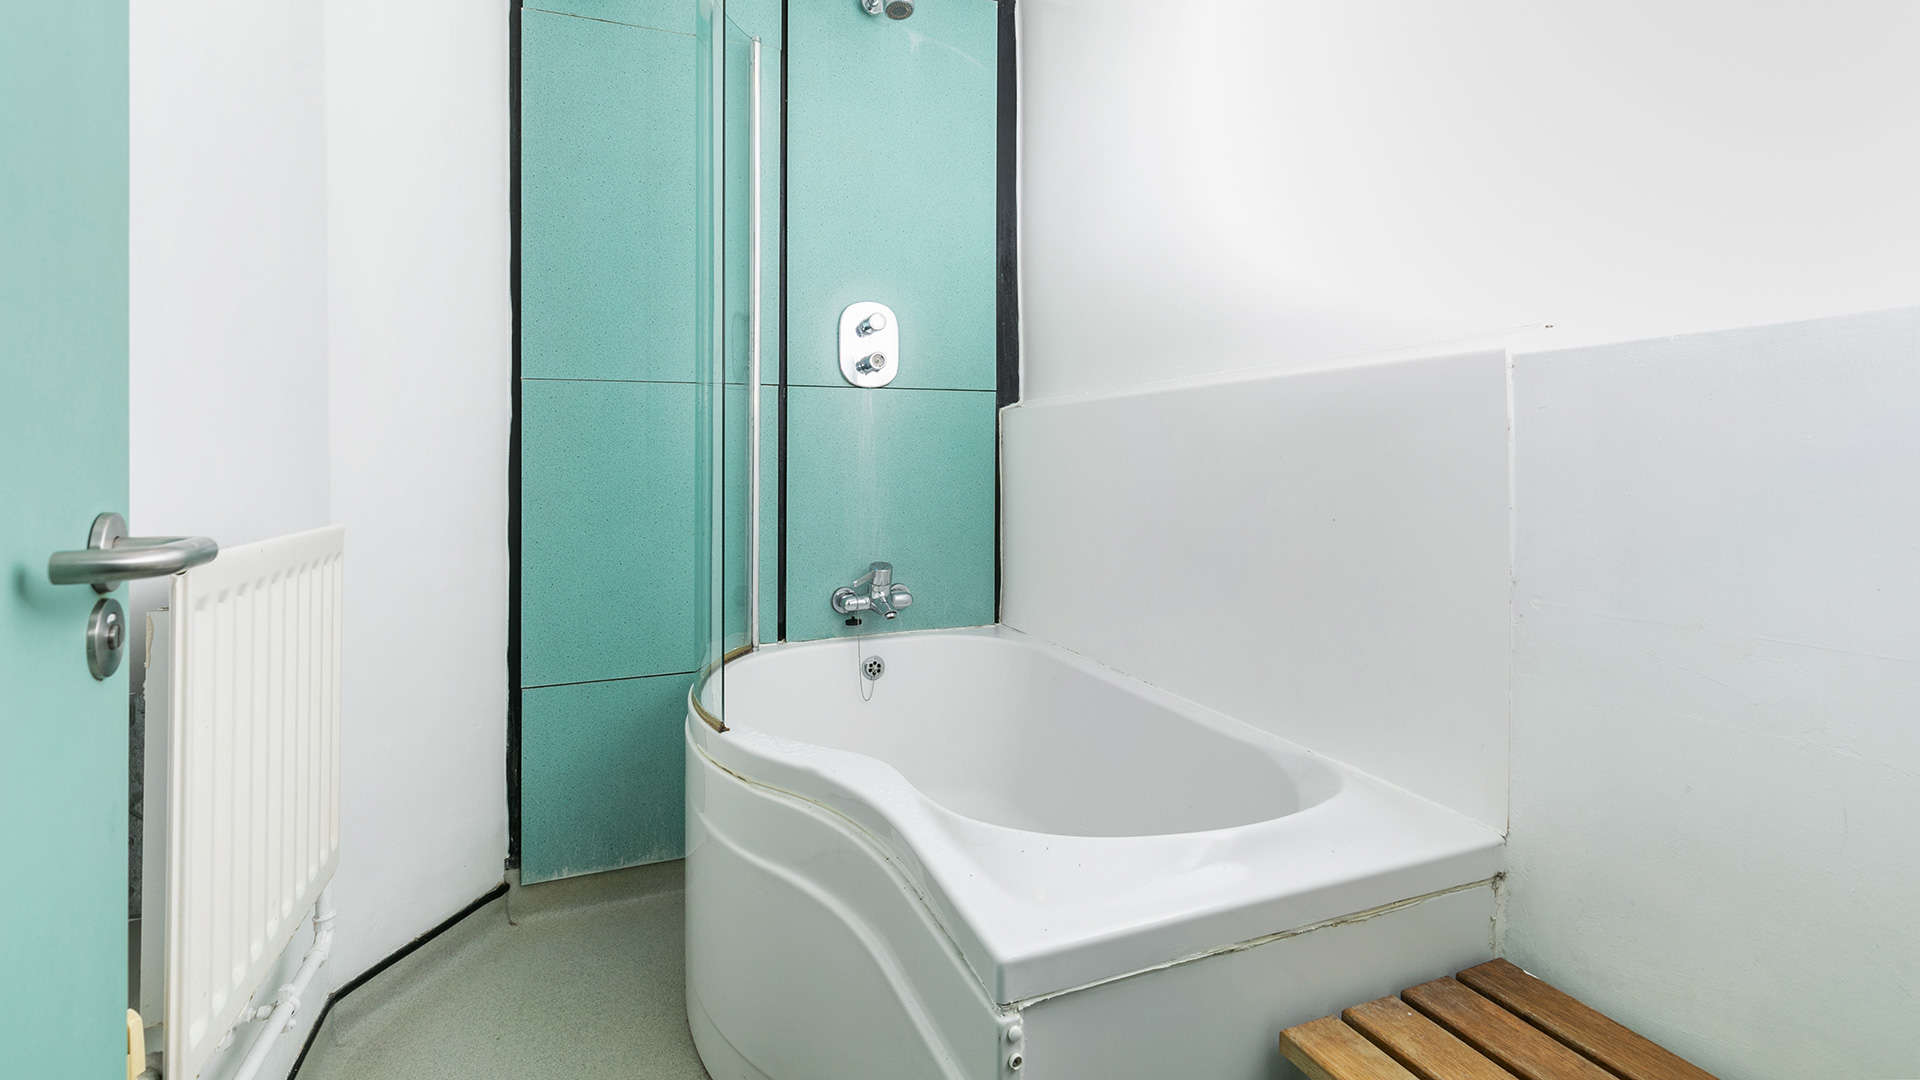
point(1000, 858)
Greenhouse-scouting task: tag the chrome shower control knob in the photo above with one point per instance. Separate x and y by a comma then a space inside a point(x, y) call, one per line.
point(869, 339)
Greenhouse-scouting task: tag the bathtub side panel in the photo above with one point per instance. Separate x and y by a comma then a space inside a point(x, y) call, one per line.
point(808, 957)
point(1221, 1017)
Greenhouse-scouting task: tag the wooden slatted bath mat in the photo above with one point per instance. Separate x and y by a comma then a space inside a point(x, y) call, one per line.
point(1491, 1022)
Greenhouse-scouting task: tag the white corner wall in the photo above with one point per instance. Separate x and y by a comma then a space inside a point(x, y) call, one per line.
point(1716, 732)
point(1229, 187)
point(1714, 746)
point(321, 333)
point(228, 291)
point(227, 246)
point(1323, 555)
point(419, 378)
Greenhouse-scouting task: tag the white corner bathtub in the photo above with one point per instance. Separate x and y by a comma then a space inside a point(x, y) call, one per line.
point(1009, 860)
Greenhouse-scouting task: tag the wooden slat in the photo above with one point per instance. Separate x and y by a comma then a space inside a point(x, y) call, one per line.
point(1521, 1048)
point(1424, 1047)
point(1632, 1056)
point(1327, 1049)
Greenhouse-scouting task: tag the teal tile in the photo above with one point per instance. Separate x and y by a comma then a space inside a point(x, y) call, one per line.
point(901, 475)
point(751, 18)
point(676, 16)
point(737, 208)
point(890, 188)
point(769, 513)
point(608, 530)
point(736, 205)
point(757, 18)
point(736, 560)
point(607, 201)
point(771, 327)
point(601, 782)
point(735, 556)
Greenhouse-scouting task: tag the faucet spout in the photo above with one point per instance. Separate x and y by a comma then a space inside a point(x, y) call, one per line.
point(874, 591)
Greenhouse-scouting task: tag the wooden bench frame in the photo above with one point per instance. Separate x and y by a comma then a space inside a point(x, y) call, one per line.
point(1491, 1022)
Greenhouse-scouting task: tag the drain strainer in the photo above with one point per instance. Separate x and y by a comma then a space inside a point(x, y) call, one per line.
point(873, 668)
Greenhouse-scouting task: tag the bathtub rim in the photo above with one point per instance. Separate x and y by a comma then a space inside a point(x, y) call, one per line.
point(1022, 948)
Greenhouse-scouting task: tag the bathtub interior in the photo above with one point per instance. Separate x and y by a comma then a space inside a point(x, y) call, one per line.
point(1003, 731)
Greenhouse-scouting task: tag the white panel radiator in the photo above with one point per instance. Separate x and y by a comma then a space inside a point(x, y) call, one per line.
point(252, 780)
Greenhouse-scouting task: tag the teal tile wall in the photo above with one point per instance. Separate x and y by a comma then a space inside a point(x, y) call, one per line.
point(607, 168)
point(759, 18)
point(608, 414)
point(596, 790)
point(607, 530)
point(890, 130)
point(676, 16)
point(737, 490)
point(901, 475)
point(891, 152)
point(893, 128)
point(738, 205)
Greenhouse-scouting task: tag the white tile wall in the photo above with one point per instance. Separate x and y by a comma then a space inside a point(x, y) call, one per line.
point(1716, 746)
point(1321, 554)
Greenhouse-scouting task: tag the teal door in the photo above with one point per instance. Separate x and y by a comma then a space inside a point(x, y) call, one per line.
point(63, 459)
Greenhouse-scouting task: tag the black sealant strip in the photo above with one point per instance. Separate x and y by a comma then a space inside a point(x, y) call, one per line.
point(780, 419)
point(1006, 255)
point(513, 438)
point(391, 959)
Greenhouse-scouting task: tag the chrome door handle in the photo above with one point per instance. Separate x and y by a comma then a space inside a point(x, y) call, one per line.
point(111, 556)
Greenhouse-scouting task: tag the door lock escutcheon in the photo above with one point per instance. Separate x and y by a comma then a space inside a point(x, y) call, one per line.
point(111, 557)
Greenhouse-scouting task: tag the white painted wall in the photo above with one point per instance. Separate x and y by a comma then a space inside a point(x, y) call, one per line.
point(1323, 555)
point(1716, 731)
point(228, 298)
point(420, 369)
point(1714, 754)
point(1273, 186)
point(227, 243)
point(320, 321)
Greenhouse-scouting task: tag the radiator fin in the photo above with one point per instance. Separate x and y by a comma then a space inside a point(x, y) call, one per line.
point(254, 771)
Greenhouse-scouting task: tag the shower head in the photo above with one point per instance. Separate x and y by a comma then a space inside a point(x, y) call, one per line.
point(893, 9)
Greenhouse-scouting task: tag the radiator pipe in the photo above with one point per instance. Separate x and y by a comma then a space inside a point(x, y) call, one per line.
point(287, 1002)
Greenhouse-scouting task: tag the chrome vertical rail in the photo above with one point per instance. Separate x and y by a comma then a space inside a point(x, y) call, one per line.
point(753, 347)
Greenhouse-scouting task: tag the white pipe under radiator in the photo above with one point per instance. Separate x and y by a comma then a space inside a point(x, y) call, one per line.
point(286, 1005)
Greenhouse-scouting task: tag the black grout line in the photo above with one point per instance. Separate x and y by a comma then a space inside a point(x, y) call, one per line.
point(616, 678)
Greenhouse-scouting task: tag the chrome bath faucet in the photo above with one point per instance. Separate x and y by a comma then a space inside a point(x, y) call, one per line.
point(875, 591)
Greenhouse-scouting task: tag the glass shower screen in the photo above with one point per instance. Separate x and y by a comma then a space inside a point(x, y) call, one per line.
point(730, 301)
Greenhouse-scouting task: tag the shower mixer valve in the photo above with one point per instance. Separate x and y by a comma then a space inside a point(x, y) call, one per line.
point(875, 591)
point(869, 344)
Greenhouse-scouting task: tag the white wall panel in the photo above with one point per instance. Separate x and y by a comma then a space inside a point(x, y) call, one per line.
point(1323, 555)
point(1716, 746)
